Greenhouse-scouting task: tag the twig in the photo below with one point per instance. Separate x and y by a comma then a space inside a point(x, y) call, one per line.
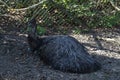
point(15, 17)
point(34, 5)
point(118, 9)
point(4, 3)
point(7, 15)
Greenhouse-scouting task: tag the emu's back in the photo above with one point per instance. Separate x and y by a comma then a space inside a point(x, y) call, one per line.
point(64, 53)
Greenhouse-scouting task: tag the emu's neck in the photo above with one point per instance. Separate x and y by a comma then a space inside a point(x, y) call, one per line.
point(34, 42)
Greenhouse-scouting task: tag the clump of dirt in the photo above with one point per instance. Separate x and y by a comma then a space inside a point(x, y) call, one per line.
point(18, 63)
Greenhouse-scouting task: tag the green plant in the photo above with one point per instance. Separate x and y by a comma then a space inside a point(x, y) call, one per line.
point(76, 31)
point(41, 30)
point(94, 13)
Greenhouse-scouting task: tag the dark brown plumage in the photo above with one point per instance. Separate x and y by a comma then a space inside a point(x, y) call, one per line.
point(62, 52)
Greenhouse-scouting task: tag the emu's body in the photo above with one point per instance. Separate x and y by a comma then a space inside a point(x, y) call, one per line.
point(64, 53)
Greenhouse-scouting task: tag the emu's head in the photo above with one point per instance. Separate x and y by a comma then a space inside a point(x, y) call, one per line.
point(32, 27)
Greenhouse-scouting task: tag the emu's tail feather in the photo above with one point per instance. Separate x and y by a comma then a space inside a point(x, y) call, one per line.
point(77, 67)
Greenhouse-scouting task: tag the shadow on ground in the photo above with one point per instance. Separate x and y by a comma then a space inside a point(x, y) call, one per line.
point(18, 63)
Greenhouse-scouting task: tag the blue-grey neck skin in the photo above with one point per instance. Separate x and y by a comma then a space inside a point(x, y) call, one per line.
point(32, 36)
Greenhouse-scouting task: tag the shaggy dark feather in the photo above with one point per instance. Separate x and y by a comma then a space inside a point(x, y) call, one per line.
point(63, 53)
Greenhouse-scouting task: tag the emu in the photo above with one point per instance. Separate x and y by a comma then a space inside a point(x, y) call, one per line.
point(61, 52)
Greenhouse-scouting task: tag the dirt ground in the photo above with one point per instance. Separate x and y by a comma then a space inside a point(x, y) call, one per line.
point(18, 63)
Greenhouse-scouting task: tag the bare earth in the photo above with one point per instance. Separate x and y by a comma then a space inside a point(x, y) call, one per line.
point(18, 63)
